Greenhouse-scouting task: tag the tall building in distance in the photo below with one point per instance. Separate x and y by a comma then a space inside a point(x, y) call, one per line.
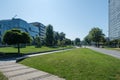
point(34, 29)
point(114, 19)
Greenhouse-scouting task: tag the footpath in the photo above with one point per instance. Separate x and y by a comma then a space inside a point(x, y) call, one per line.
point(113, 53)
point(15, 71)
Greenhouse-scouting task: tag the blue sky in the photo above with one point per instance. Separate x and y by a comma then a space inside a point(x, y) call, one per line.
point(73, 17)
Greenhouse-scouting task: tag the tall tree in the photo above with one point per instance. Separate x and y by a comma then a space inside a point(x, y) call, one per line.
point(95, 35)
point(62, 36)
point(37, 42)
point(77, 41)
point(16, 36)
point(49, 36)
point(62, 39)
point(56, 38)
point(87, 40)
point(68, 41)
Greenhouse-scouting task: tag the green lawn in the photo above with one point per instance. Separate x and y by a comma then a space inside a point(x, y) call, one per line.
point(2, 77)
point(28, 49)
point(77, 64)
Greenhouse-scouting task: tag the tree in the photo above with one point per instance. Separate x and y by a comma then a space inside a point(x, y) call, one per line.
point(103, 40)
point(62, 36)
point(118, 43)
point(95, 35)
point(68, 41)
point(87, 40)
point(77, 41)
point(49, 36)
point(115, 42)
point(56, 38)
point(38, 41)
point(62, 39)
point(72, 42)
point(16, 36)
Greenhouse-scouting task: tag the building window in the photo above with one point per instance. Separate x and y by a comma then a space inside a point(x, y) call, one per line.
point(29, 28)
point(0, 40)
point(0, 26)
point(0, 33)
point(109, 1)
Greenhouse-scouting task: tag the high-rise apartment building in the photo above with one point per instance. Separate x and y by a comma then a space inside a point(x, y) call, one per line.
point(114, 19)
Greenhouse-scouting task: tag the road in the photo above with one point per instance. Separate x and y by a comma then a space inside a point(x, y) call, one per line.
point(113, 53)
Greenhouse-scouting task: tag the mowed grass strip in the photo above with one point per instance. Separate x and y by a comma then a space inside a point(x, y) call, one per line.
point(29, 49)
point(77, 64)
point(2, 77)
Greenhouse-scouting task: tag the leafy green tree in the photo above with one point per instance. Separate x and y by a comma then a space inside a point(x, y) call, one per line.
point(95, 35)
point(59, 43)
point(16, 36)
point(103, 40)
point(72, 42)
point(56, 38)
point(77, 41)
point(62, 36)
point(38, 41)
point(62, 43)
point(115, 42)
point(87, 40)
point(49, 36)
point(118, 43)
point(68, 41)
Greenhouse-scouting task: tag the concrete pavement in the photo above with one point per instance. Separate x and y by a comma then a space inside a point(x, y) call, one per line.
point(15, 71)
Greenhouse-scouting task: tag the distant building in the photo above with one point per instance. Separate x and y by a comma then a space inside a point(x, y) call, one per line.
point(22, 25)
point(114, 19)
point(41, 27)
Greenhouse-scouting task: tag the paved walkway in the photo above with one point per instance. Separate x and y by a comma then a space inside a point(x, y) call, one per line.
point(113, 53)
point(15, 71)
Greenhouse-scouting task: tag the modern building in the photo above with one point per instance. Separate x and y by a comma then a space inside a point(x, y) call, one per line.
point(114, 19)
point(41, 27)
point(33, 30)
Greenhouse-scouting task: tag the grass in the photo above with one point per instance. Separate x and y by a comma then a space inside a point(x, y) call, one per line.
point(28, 49)
point(77, 64)
point(2, 77)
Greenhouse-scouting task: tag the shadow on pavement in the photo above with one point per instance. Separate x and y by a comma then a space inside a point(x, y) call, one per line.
point(9, 56)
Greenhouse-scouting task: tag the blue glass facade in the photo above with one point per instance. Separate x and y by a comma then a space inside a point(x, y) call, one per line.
point(41, 27)
point(19, 24)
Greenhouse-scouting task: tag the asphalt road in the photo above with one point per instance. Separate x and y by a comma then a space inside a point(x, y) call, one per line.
point(113, 53)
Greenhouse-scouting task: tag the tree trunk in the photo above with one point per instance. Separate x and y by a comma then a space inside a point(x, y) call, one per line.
point(18, 48)
point(98, 45)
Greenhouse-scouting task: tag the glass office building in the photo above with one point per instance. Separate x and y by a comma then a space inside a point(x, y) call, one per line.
point(114, 19)
point(41, 27)
point(18, 24)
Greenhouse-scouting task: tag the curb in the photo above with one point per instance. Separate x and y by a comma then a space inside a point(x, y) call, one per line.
point(27, 55)
point(21, 58)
